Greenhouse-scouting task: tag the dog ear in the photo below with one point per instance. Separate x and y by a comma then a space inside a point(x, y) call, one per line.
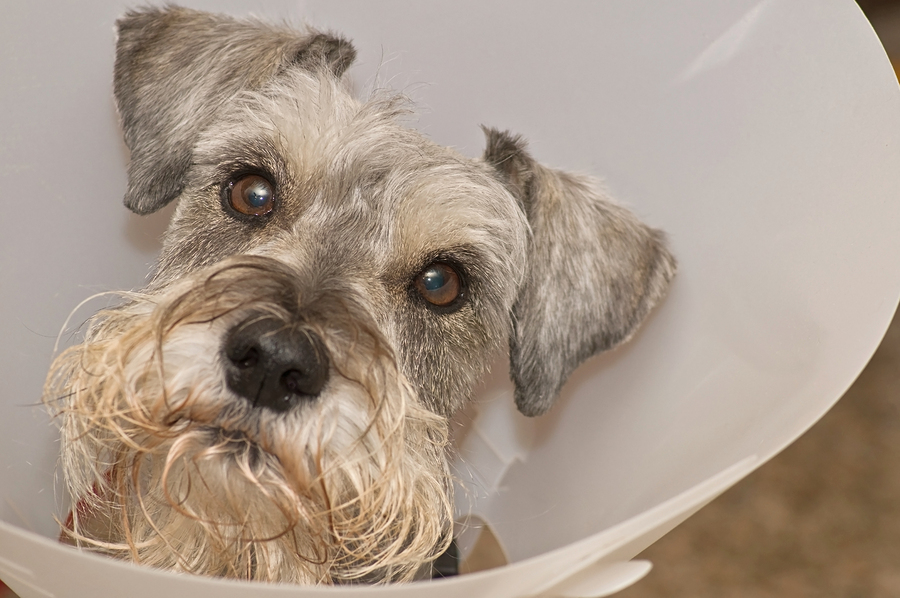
point(594, 272)
point(175, 67)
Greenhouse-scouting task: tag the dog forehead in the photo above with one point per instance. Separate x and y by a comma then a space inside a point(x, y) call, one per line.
point(394, 226)
point(357, 177)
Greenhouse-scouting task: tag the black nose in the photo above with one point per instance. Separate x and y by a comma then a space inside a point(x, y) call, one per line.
point(273, 364)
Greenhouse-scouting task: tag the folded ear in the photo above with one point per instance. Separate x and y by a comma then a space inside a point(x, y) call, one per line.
point(594, 272)
point(175, 67)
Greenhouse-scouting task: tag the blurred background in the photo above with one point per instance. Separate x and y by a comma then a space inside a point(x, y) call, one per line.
point(822, 519)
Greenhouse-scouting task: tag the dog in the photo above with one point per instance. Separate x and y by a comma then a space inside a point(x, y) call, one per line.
point(274, 405)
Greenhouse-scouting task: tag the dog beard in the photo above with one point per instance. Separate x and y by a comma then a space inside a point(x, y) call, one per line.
point(171, 469)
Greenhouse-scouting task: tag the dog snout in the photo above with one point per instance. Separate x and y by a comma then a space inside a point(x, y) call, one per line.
point(275, 365)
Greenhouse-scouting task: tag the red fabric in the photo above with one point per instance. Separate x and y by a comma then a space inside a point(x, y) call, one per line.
point(83, 510)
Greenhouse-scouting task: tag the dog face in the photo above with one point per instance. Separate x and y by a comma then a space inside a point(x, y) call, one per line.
point(343, 190)
point(274, 405)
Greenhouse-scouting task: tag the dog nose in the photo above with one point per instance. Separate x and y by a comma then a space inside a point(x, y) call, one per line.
point(273, 364)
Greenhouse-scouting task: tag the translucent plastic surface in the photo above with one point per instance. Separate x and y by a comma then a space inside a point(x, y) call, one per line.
point(762, 136)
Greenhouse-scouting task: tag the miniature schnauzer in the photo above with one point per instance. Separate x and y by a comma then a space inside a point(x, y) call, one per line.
point(274, 405)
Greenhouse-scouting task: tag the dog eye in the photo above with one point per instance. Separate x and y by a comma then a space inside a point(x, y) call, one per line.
point(251, 195)
point(439, 284)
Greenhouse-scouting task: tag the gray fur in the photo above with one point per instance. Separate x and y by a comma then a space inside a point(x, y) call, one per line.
point(175, 67)
point(594, 273)
point(361, 207)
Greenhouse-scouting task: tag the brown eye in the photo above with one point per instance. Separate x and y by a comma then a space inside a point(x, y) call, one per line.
point(439, 284)
point(251, 195)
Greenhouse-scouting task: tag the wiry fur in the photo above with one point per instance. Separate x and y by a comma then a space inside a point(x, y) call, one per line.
point(167, 463)
point(609, 256)
point(172, 473)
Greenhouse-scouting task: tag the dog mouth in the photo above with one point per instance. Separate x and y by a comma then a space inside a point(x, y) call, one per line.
point(236, 439)
point(237, 445)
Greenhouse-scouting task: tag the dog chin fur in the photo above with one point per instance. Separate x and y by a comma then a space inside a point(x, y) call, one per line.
point(175, 472)
point(173, 464)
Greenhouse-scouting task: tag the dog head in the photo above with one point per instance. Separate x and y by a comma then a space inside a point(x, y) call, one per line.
point(351, 195)
point(330, 289)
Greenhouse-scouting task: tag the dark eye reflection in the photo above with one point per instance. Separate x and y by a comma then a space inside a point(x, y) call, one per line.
point(251, 195)
point(439, 284)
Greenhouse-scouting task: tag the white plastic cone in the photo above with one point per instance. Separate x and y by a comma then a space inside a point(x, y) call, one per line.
point(764, 137)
